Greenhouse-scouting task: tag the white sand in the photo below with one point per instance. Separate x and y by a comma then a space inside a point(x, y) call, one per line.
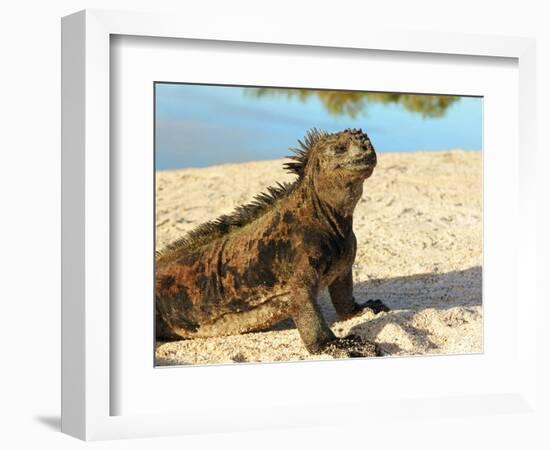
point(419, 233)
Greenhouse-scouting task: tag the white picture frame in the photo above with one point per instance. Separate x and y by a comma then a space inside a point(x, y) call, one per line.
point(87, 383)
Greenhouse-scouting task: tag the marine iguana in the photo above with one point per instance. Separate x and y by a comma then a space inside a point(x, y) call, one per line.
point(267, 261)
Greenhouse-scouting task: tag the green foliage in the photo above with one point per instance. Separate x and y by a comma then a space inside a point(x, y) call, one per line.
point(352, 103)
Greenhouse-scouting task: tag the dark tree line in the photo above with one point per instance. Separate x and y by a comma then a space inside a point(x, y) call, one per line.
point(353, 103)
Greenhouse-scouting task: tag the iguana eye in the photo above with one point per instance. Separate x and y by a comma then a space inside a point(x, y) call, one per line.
point(339, 149)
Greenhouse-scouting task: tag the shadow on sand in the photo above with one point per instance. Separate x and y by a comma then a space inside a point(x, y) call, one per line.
point(408, 294)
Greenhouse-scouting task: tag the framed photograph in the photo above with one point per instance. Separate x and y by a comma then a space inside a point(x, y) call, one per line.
point(296, 215)
point(393, 268)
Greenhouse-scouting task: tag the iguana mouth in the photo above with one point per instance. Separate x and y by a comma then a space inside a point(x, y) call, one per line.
point(365, 162)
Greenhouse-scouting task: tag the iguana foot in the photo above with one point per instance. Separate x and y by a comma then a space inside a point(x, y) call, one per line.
point(351, 346)
point(376, 306)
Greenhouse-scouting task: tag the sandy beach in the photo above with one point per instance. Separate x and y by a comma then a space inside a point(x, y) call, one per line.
point(419, 232)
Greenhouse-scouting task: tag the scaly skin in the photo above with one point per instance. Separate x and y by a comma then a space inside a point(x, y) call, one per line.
point(268, 261)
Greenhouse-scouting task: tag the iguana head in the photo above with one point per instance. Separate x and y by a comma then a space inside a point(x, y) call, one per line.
point(347, 151)
point(336, 165)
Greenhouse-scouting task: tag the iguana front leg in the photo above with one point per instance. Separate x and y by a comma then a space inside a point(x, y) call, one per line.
point(317, 335)
point(305, 313)
point(341, 295)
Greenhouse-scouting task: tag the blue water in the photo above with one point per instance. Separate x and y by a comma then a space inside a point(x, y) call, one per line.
point(198, 126)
